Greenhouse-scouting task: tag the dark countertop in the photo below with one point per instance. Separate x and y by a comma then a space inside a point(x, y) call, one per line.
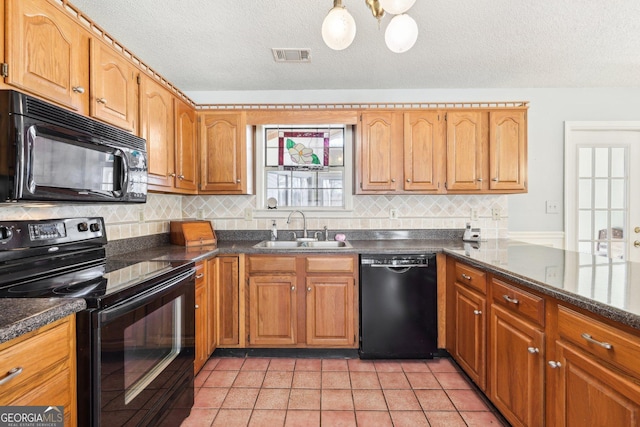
point(22, 315)
point(608, 287)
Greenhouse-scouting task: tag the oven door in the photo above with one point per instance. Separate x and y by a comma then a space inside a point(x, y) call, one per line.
point(145, 351)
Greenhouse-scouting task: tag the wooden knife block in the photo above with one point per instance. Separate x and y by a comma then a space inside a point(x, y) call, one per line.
point(192, 233)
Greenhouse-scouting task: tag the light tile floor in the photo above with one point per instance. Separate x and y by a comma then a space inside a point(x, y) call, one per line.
point(291, 392)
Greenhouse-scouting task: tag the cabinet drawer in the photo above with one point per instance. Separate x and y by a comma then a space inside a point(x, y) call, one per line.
point(201, 273)
point(330, 264)
point(604, 341)
point(518, 301)
point(271, 264)
point(471, 277)
point(40, 356)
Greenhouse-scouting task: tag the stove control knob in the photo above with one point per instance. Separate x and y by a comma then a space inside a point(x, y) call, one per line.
point(83, 226)
point(94, 227)
point(5, 233)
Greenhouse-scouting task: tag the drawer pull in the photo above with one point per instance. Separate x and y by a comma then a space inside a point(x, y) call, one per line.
point(197, 306)
point(464, 276)
point(477, 312)
point(293, 288)
point(507, 298)
point(11, 374)
point(554, 364)
point(588, 337)
point(533, 350)
point(199, 276)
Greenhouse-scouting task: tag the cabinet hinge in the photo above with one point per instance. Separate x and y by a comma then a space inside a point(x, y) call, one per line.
point(361, 186)
point(445, 117)
point(445, 185)
point(4, 69)
point(138, 80)
point(248, 338)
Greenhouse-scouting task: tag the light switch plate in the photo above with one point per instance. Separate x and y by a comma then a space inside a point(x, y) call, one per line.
point(495, 214)
point(474, 214)
point(393, 213)
point(248, 214)
point(553, 207)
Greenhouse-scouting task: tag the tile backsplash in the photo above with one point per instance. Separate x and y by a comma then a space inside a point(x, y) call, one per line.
point(228, 213)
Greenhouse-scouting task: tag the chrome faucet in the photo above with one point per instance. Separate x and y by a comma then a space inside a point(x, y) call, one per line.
point(304, 221)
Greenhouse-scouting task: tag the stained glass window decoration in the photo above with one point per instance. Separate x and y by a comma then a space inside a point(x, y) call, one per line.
point(304, 148)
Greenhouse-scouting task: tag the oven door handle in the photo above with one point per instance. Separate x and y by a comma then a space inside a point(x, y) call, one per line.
point(117, 310)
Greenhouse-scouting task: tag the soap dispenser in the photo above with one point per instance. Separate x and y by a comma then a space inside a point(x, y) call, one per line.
point(274, 230)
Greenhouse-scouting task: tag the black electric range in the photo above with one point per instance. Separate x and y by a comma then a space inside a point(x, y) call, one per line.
point(135, 340)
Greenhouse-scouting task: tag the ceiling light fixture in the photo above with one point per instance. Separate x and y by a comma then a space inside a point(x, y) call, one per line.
point(339, 27)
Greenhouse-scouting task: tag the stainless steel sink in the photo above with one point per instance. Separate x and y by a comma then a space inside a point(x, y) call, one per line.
point(309, 245)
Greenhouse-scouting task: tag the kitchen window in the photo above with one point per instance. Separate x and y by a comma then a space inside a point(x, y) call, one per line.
point(304, 167)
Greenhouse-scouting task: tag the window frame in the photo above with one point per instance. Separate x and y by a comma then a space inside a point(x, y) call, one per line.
point(261, 210)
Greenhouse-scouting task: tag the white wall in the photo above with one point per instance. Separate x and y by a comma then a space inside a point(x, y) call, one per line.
point(548, 110)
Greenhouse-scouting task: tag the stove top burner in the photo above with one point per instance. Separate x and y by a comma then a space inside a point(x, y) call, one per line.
point(92, 283)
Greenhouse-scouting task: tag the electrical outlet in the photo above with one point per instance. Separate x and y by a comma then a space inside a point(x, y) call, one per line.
point(474, 214)
point(552, 207)
point(199, 213)
point(248, 214)
point(393, 213)
point(495, 214)
point(141, 216)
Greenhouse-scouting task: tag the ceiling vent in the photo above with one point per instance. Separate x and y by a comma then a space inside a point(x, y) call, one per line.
point(291, 55)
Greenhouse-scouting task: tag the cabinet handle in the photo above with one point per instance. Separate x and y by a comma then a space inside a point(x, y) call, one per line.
point(78, 89)
point(533, 350)
point(101, 101)
point(477, 312)
point(197, 306)
point(479, 179)
point(589, 338)
point(495, 180)
point(393, 180)
point(11, 373)
point(293, 288)
point(554, 364)
point(464, 276)
point(180, 177)
point(408, 180)
point(507, 298)
point(309, 289)
point(238, 181)
point(199, 276)
point(172, 175)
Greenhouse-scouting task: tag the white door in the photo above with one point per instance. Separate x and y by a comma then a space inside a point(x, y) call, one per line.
point(602, 189)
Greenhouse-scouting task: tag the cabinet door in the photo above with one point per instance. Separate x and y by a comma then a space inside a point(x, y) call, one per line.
point(223, 153)
point(185, 144)
point(114, 91)
point(212, 272)
point(588, 393)
point(201, 325)
point(228, 301)
point(470, 334)
point(380, 165)
point(330, 311)
point(156, 126)
point(507, 150)
point(47, 53)
point(424, 145)
point(272, 310)
point(517, 368)
point(464, 151)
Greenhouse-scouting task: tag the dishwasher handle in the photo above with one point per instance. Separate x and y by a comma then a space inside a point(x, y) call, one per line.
point(400, 266)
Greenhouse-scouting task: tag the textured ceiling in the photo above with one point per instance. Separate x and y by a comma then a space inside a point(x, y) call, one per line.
point(202, 45)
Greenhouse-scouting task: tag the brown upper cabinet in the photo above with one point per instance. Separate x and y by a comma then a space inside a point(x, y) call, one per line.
point(508, 150)
point(156, 126)
point(460, 151)
point(114, 89)
point(223, 153)
point(186, 131)
point(47, 53)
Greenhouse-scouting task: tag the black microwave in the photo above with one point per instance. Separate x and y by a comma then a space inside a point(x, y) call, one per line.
point(49, 154)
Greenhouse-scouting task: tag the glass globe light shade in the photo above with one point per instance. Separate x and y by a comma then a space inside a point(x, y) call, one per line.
point(396, 7)
point(401, 33)
point(338, 28)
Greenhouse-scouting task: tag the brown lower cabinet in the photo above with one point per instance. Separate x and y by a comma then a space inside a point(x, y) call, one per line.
point(302, 301)
point(547, 362)
point(229, 302)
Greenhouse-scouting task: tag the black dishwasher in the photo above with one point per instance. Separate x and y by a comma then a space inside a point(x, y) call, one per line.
point(398, 306)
